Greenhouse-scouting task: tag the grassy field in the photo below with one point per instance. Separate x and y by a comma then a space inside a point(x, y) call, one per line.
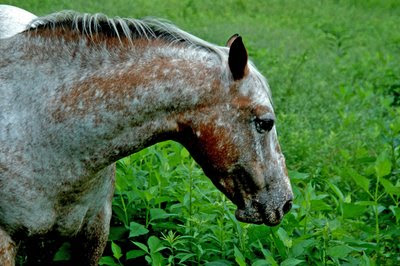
point(334, 70)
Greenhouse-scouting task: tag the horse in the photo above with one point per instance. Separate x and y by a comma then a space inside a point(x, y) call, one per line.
point(81, 91)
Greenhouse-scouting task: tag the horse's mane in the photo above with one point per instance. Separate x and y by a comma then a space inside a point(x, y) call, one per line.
point(148, 28)
point(130, 28)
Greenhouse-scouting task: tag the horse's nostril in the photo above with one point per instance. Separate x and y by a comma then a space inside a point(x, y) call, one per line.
point(288, 205)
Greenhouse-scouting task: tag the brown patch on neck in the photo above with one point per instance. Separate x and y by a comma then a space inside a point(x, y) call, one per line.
point(213, 149)
point(218, 145)
point(116, 89)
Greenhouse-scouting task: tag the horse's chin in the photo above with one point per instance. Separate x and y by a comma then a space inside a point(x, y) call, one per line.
point(250, 215)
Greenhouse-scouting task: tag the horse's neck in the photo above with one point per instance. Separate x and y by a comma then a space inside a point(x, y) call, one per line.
point(108, 104)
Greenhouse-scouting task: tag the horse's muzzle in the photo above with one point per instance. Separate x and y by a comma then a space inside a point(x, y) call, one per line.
point(258, 214)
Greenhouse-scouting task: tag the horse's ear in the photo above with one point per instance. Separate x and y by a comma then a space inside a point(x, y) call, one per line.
point(231, 39)
point(237, 57)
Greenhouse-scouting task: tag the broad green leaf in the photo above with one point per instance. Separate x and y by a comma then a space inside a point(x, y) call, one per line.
point(149, 196)
point(287, 241)
point(148, 259)
point(257, 232)
point(108, 261)
point(351, 210)
point(137, 229)
point(132, 254)
point(366, 203)
point(239, 258)
point(340, 251)
point(320, 205)
point(217, 263)
point(389, 187)
point(345, 154)
point(141, 246)
point(362, 244)
point(267, 255)
point(161, 247)
point(158, 214)
point(153, 190)
point(396, 212)
point(155, 244)
point(271, 261)
point(291, 262)
point(161, 199)
point(282, 250)
point(116, 250)
point(366, 261)
point(156, 259)
point(395, 126)
point(295, 176)
point(186, 257)
point(299, 247)
point(383, 167)
point(260, 263)
point(360, 180)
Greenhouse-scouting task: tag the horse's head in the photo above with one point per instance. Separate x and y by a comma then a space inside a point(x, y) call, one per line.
point(235, 141)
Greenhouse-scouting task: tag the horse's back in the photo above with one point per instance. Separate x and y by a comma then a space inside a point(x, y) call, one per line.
point(13, 20)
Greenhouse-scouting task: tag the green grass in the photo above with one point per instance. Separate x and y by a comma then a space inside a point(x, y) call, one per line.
point(334, 70)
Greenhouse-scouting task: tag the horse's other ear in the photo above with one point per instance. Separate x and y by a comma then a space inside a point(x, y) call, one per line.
point(237, 57)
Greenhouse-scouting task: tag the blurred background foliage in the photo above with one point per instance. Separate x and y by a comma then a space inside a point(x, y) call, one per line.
point(333, 67)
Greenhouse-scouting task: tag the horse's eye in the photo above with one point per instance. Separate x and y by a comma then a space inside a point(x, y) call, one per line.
point(264, 125)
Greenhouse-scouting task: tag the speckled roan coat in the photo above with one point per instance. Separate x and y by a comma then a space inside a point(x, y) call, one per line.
point(79, 92)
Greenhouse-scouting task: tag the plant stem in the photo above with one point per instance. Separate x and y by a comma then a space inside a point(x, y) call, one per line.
point(376, 216)
point(147, 215)
point(124, 207)
point(190, 205)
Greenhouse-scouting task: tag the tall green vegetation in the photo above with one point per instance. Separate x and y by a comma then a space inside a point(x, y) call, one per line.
point(334, 70)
